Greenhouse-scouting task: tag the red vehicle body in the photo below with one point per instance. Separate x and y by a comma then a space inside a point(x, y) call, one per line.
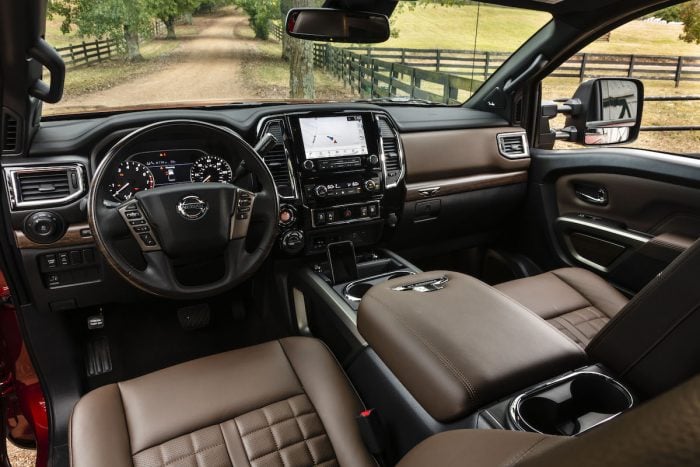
point(23, 403)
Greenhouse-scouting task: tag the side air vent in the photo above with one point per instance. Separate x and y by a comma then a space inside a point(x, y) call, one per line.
point(45, 186)
point(513, 145)
point(10, 133)
point(391, 150)
point(277, 161)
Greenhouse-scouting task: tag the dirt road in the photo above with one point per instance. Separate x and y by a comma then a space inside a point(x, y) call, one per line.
point(206, 67)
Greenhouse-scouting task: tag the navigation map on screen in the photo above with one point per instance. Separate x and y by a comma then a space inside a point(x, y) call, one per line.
point(333, 136)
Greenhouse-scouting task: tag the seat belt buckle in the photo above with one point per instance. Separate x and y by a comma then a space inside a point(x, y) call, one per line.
point(371, 431)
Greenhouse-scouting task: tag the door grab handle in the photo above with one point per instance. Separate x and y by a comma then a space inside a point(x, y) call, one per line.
point(601, 199)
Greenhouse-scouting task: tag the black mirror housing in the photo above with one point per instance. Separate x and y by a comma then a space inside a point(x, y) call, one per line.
point(609, 113)
point(331, 25)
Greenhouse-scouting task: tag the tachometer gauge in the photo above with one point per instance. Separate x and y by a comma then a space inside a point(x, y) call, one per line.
point(211, 169)
point(131, 177)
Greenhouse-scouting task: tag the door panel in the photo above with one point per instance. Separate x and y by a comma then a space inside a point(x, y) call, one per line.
point(624, 217)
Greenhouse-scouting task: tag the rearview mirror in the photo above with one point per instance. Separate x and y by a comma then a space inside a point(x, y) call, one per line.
point(609, 111)
point(326, 24)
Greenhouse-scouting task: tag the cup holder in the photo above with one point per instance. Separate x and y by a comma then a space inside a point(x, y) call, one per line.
point(571, 405)
point(354, 291)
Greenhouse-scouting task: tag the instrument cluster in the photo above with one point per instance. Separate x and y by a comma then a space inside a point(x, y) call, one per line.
point(150, 169)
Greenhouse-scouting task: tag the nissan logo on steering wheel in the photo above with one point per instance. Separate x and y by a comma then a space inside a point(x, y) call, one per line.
point(192, 207)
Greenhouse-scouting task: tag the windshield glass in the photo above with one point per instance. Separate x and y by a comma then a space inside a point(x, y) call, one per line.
point(166, 53)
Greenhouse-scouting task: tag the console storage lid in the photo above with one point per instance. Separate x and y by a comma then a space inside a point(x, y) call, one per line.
point(457, 343)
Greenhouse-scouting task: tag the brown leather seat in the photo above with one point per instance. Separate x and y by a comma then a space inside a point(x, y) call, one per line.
point(663, 432)
point(575, 301)
point(284, 403)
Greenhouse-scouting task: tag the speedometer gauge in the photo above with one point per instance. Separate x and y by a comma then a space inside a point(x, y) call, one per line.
point(211, 169)
point(131, 177)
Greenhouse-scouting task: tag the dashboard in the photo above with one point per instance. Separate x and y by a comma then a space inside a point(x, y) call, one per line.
point(372, 175)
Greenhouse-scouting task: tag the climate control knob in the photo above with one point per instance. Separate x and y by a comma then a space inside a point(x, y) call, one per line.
point(373, 159)
point(321, 191)
point(308, 164)
point(370, 185)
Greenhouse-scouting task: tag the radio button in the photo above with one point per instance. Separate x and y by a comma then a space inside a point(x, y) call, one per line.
point(372, 210)
point(321, 191)
point(308, 164)
point(330, 216)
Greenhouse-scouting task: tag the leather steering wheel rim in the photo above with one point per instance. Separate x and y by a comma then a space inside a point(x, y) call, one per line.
point(158, 278)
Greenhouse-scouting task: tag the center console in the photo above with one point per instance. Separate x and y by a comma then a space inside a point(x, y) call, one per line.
point(339, 176)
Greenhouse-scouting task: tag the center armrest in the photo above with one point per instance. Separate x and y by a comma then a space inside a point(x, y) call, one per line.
point(464, 345)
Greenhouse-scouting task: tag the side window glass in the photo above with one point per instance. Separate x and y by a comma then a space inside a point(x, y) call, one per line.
point(663, 51)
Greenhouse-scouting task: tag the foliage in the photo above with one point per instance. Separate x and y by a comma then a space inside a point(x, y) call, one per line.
point(102, 18)
point(168, 10)
point(260, 13)
point(690, 15)
point(671, 14)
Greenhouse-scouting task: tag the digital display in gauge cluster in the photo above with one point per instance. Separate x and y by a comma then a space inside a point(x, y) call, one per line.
point(150, 169)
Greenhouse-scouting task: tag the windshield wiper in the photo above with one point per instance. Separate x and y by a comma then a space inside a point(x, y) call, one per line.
point(398, 100)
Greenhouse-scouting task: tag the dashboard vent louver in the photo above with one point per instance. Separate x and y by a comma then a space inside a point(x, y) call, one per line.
point(390, 148)
point(10, 133)
point(45, 186)
point(276, 160)
point(513, 145)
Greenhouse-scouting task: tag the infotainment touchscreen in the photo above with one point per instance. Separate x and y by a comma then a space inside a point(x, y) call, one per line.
point(333, 136)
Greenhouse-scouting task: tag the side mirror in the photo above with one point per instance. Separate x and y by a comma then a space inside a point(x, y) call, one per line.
point(329, 25)
point(606, 111)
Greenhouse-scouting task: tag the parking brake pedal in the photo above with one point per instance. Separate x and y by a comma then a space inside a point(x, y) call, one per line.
point(194, 316)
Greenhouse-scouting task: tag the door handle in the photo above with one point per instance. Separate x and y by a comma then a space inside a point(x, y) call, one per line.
point(592, 195)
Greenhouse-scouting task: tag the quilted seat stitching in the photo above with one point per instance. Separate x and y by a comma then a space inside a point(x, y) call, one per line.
point(276, 423)
point(193, 454)
point(287, 446)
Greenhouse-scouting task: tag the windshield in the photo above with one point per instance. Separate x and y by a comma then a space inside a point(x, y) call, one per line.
point(167, 53)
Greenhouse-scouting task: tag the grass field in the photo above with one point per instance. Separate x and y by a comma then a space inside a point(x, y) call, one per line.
point(505, 29)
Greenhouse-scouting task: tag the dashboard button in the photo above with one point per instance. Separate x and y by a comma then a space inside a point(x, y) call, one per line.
point(347, 213)
point(76, 257)
point(330, 216)
point(363, 211)
point(320, 218)
point(50, 261)
point(64, 259)
point(372, 208)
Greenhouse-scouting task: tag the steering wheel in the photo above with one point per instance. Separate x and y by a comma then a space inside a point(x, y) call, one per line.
point(175, 225)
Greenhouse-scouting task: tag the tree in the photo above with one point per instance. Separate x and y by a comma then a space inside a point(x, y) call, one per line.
point(690, 15)
point(119, 19)
point(168, 10)
point(260, 13)
point(301, 63)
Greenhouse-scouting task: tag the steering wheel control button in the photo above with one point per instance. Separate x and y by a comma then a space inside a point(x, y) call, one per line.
point(147, 239)
point(133, 214)
point(142, 228)
point(138, 222)
point(192, 207)
point(242, 212)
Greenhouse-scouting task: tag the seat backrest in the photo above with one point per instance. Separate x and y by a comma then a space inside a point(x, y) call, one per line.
point(662, 432)
point(652, 343)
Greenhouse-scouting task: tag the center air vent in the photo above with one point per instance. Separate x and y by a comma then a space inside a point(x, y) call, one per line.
point(513, 145)
point(277, 161)
point(45, 186)
point(391, 151)
point(10, 133)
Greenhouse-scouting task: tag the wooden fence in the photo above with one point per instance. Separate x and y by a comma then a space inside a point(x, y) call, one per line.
point(86, 53)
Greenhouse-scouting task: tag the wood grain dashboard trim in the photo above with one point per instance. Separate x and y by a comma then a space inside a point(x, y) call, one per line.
point(72, 237)
point(450, 186)
point(438, 155)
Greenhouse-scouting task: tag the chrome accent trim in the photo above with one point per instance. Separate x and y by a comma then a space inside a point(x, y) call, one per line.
point(11, 180)
point(263, 125)
point(519, 422)
point(521, 155)
point(399, 147)
point(429, 285)
point(426, 192)
point(338, 206)
point(353, 298)
point(565, 224)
